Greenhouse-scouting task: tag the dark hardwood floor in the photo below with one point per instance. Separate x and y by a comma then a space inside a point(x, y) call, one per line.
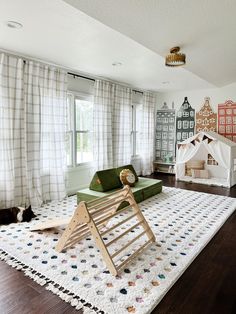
point(208, 286)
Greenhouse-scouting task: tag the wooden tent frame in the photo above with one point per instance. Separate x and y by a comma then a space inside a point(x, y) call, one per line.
point(92, 217)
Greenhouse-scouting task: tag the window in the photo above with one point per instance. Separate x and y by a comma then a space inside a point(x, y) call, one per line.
point(179, 124)
point(179, 136)
point(136, 127)
point(165, 120)
point(222, 129)
point(185, 106)
point(228, 128)
point(191, 125)
point(164, 135)
point(164, 145)
point(158, 144)
point(79, 129)
point(228, 120)
point(185, 124)
point(222, 120)
point(211, 160)
point(163, 154)
point(185, 114)
point(171, 145)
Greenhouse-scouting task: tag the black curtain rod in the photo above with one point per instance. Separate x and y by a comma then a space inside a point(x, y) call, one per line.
point(84, 77)
point(90, 79)
point(137, 91)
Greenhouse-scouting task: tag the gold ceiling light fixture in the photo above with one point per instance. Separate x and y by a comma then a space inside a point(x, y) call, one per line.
point(175, 58)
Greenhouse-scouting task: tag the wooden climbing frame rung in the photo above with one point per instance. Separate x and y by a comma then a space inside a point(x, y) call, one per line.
point(91, 219)
point(131, 257)
point(124, 233)
point(118, 224)
point(128, 244)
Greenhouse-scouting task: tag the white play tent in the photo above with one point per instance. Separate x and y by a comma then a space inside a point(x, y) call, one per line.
point(198, 147)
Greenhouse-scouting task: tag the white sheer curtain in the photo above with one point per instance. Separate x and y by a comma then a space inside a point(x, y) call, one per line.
point(146, 145)
point(45, 98)
point(32, 132)
point(12, 136)
point(102, 124)
point(112, 125)
point(122, 126)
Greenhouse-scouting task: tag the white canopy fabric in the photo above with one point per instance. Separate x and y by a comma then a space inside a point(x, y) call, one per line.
point(221, 149)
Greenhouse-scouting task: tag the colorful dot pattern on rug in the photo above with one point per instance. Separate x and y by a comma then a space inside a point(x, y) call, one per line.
point(182, 221)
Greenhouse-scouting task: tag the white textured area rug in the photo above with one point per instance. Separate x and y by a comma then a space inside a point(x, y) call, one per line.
point(183, 222)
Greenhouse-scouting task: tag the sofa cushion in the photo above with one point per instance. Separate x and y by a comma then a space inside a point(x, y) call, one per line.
point(105, 180)
point(194, 164)
point(130, 167)
point(143, 189)
point(203, 174)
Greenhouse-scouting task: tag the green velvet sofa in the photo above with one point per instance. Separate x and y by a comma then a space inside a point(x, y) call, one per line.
point(107, 181)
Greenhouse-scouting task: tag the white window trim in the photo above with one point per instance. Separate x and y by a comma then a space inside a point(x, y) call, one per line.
point(81, 96)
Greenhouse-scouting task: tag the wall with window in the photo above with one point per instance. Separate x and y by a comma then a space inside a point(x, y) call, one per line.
point(79, 146)
point(79, 131)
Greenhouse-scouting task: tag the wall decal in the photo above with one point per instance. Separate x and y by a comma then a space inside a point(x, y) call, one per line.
point(206, 119)
point(227, 120)
point(165, 132)
point(185, 121)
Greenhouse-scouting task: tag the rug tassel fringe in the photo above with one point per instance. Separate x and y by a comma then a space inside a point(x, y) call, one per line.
point(40, 279)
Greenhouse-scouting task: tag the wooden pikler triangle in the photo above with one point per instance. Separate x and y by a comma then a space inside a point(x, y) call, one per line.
point(92, 218)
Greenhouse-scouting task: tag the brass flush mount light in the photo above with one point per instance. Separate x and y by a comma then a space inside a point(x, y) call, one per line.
point(175, 58)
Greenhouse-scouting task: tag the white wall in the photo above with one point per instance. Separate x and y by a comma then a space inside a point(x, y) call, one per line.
point(196, 97)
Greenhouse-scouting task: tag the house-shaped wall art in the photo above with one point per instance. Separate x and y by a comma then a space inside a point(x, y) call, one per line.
point(206, 119)
point(227, 120)
point(165, 132)
point(185, 121)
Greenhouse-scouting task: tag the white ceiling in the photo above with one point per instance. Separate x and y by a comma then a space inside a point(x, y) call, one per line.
point(57, 32)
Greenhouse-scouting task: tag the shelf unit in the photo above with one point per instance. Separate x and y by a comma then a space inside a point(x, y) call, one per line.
point(164, 167)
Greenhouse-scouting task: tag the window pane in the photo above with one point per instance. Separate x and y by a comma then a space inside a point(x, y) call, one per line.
point(69, 148)
point(84, 115)
point(69, 114)
point(138, 116)
point(83, 147)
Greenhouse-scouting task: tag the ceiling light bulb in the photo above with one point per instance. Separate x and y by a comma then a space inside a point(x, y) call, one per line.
point(14, 24)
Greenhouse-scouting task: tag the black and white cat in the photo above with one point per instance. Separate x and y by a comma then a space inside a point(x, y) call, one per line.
point(16, 214)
